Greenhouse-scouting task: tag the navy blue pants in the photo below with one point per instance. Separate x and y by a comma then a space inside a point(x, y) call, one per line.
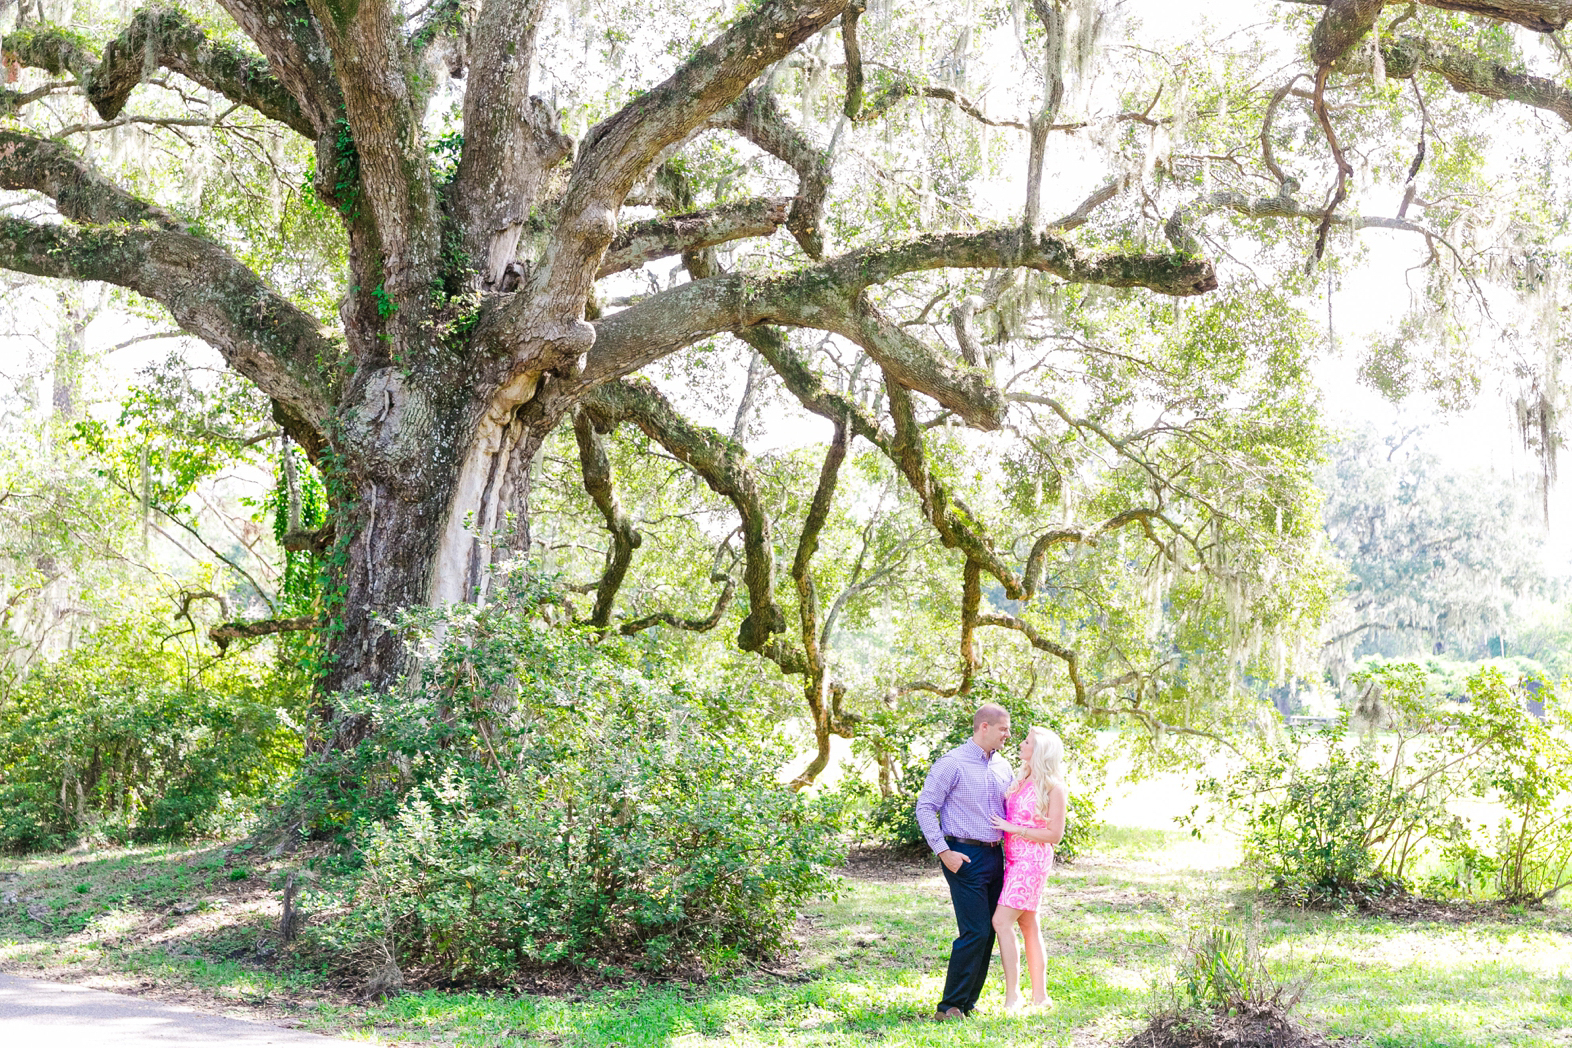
point(974, 892)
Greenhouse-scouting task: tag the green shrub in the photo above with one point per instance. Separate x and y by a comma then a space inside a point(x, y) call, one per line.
point(1222, 970)
point(1339, 815)
point(535, 797)
point(126, 738)
point(892, 820)
point(1530, 772)
point(1317, 839)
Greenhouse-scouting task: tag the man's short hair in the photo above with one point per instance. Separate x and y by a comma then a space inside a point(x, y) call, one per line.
point(989, 713)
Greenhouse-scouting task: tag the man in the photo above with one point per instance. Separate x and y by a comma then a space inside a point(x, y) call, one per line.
point(963, 792)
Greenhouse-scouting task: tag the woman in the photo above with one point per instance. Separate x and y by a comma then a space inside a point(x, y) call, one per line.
point(1033, 823)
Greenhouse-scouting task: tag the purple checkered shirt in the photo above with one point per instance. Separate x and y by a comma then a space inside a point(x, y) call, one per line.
point(965, 789)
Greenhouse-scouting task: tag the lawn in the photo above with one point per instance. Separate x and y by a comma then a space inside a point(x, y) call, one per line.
point(181, 923)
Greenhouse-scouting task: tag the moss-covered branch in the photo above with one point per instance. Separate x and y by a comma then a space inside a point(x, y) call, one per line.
point(640, 242)
point(226, 632)
point(1468, 73)
point(1180, 225)
point(291, 40)
point(383, 102)
point(665, 618)
point(1085, 535)
point(957, 526)
point(613, 155)
point(818, 689)
point(1168, 274)
point(829, 297)
point(725, 468)
point(756, 117)
point(595, 468)
point(159, 36)
point(1542, 16)
point(79, 192)
point(209, 292)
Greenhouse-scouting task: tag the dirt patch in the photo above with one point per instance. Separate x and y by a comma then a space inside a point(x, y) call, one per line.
point(890, 865)
point(1255, 1026)
point(1403, 907)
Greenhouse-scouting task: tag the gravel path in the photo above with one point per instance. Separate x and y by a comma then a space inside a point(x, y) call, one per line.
point(37, 1014)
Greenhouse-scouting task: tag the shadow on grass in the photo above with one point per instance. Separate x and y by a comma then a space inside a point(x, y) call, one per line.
point(162, 912)
point(888, 1007)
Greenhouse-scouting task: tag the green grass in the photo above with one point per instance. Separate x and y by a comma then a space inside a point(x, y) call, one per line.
point(868, 970)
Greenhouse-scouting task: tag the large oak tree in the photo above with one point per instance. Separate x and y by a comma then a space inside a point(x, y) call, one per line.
point(477, 320)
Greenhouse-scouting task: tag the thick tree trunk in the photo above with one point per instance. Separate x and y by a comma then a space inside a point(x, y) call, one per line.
point(388, 567)
point(397, 487)
point(431, 500)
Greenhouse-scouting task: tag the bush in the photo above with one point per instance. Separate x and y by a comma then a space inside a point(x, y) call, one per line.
point(1337, 816)
point(1223, 996)
point(1316, 842)
point(906, 748)
point(536, 797)
point(1530, 772)
point(126, 739)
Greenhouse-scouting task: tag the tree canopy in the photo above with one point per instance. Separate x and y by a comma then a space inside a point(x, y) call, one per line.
point(1036, 303)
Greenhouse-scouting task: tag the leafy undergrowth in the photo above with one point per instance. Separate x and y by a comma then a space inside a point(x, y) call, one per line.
point(200, 926)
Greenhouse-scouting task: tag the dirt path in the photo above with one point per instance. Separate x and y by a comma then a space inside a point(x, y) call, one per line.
point(51, 1015)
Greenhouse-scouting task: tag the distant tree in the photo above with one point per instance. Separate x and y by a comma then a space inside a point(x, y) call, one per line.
point(1438, 559)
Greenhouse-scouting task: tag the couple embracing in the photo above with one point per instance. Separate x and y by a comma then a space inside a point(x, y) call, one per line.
point(994, 831)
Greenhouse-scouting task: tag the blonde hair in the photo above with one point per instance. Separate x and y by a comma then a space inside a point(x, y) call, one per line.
point(1045, 767)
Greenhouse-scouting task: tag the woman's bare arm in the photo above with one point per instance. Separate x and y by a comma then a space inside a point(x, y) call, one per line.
point(1053, 833)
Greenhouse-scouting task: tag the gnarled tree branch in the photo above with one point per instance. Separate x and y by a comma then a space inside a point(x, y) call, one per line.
point(817, 686)
point(1542, 16)
point(297, 56)
point(1032, 577)
point(159, 36)
point(1070, 658)
point(625, 538)
point(1467, 73)
point(511, 141)
point(531, 331)
point(725, 468)
point(210, 294)
point(640, 242)
point(828, 297)
point(78, 191)
point(756, 117)
point(395, 189)
point(666, 618)
point(1177, 229)
point(1341, 27)
point(225, 632)
point(891, 96)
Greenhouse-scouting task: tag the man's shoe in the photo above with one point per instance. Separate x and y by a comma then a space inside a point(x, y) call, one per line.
point(945, 1014)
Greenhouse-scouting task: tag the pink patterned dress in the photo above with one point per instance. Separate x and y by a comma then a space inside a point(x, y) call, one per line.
point(1026, 863)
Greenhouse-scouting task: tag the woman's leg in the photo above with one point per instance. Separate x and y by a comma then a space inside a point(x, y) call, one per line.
point(1036, 960)
point(1004, 919)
